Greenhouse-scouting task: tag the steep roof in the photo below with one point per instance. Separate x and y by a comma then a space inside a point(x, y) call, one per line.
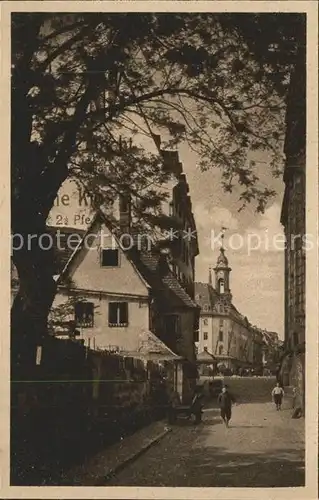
point(65, 243)
point(155, 270)
point(152, 267)
point(153, 349)
point(205, 296)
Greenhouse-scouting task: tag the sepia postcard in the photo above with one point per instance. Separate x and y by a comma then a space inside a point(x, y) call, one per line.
point(159, 267)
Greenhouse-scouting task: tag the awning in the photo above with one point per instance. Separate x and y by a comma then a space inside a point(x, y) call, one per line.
point(205, 357)
point(151, 348)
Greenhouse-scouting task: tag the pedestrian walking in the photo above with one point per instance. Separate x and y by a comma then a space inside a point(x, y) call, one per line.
point(225, 401)
point(277, 395)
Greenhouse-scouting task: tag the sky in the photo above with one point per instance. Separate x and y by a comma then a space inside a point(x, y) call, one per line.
point(257, 276)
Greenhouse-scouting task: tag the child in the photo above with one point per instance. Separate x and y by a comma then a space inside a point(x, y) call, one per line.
point(277, 395)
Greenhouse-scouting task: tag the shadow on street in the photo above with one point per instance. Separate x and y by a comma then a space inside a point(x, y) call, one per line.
point(216, 466)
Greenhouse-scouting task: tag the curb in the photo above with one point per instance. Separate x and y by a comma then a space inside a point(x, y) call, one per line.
point(112, 472)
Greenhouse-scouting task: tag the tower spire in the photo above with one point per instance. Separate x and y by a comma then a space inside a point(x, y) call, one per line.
point(222, 269)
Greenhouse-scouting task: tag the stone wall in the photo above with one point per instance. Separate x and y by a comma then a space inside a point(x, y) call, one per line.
point(76, 396)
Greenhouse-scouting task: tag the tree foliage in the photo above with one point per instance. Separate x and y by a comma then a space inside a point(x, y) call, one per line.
point(278, 44)
point(92, 94)
point(88, 79)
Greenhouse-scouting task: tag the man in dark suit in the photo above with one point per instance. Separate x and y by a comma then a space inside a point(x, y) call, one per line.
point(225, 401)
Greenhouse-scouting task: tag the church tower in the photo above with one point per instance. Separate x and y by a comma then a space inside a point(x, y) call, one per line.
point(222, 274)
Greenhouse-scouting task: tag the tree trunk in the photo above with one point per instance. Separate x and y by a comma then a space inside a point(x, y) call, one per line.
point(32, 303)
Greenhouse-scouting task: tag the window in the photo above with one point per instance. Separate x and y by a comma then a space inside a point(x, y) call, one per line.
point(118, 314)
point(205, 321)
point(220, 337)
point(171, 325)
point(110, 257)
point(220, 350)
point(221, 323)
point(205, 335)
point(221, 286)
point(84, 314)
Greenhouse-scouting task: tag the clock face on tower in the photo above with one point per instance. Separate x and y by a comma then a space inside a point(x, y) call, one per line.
point(220, 275)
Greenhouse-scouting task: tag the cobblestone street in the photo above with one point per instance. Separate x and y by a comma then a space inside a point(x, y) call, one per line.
point(262, 448)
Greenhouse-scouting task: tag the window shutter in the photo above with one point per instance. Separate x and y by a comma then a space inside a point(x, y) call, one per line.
point(123, 312)
point(113, 313)
point(90, 314)
point(77, 312)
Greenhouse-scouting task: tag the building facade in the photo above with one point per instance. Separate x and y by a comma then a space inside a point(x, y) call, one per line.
point(293, 218)
point(117, 300)
point(125, 289)
point(113, 289)
point(223, 331)
point(180, 238)
point(101, 292)
point(273, 350)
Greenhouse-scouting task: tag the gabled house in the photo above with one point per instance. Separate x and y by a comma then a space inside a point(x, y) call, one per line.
point(98, 289)
point(113, 296)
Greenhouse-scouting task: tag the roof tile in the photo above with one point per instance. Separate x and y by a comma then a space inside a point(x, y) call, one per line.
point(64, 247)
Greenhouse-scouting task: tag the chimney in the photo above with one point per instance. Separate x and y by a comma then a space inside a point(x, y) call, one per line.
point(125, 212)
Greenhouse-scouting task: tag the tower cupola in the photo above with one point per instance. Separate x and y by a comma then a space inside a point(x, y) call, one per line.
point(222, 272)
